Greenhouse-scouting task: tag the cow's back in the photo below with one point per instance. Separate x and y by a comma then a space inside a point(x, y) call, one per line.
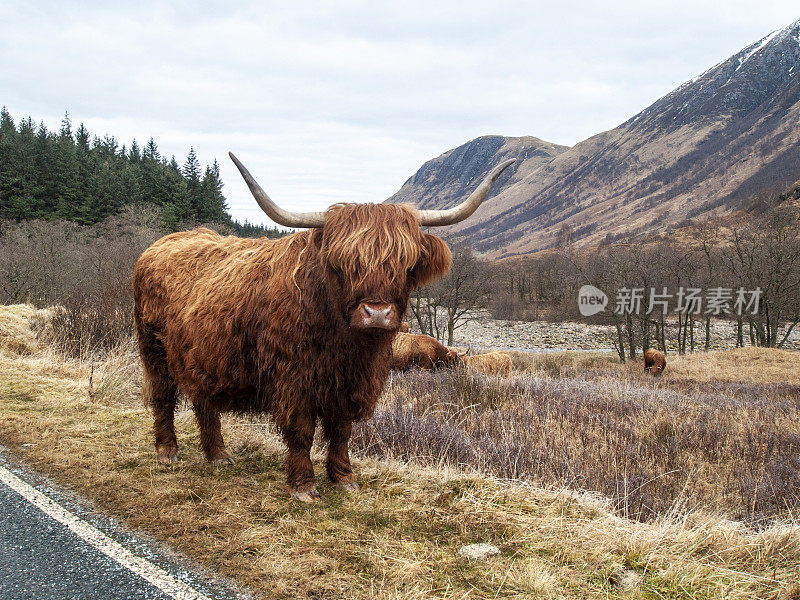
point(491, 363)
point(181, 268)
point(194, 291)
point(654, 361)
point(416, 349)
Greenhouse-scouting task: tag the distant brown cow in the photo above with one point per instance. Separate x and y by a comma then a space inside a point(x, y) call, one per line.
point(423, 351)
point(654, 362)
point(298, 327)
point(405, 327)
point(491, 363)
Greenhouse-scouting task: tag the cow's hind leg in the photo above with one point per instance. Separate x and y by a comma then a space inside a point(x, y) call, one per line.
point(299, 435)
point(338, 464)
point(211, 434)
point(161, 393)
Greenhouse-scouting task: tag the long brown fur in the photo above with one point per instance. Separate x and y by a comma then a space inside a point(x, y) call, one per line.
point(259, 325)
point(423, 351)
point(491, 363)
point(654, 362)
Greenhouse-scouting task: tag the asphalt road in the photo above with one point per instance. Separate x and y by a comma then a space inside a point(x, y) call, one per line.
point(53, 547)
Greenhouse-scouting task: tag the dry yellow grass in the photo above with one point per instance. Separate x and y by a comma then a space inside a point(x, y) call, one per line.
point(19, 324)
point(397, 538)
point(566, 362)
point(752, 365)
point(755, 365)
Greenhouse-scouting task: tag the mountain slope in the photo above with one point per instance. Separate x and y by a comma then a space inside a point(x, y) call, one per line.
point(705, 148)
point(451, 177)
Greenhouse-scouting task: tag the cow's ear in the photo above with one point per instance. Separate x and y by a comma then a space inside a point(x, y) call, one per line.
point(434, 262)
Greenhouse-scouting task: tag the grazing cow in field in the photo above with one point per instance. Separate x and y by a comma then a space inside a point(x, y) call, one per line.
point(405, 327)
point(423, 351)
point(300, 327)
point(654, 362)
point(491, 363)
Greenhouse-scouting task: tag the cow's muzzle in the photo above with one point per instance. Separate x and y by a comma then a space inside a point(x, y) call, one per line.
point(375, 315)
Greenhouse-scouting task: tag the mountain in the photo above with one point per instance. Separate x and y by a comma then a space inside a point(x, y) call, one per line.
point(709, 147)
point(449, 178)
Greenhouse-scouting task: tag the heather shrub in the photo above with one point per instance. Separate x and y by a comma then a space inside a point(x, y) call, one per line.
point(651, 446)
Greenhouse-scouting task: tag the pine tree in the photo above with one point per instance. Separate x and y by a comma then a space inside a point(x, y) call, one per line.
point(66, 127)
point(67, 185)
point(191, 173)
point(85, 163)
point(212, 206)
point(7, 127)
point(43, 190)
point(191, 168)
point(134, 154)
point(151, 151)
point(82, 138)
point(9, 169)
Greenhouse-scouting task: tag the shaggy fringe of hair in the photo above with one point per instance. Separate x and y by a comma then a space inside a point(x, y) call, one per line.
point(359, 239)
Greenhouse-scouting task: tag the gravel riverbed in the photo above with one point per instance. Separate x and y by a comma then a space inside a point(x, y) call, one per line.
point(542, 336)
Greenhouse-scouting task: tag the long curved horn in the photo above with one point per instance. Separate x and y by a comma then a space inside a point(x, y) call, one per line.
point(275, 212)
point(469, 206)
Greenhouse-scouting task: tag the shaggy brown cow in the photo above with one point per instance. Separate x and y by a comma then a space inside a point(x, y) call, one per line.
point(423, 351)
point(300, 327)
point(491, 363)
point(654, 362)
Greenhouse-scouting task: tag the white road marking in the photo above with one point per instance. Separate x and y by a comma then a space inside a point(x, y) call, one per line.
point(90, 534)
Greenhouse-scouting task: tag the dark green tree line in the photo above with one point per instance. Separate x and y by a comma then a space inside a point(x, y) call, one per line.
point(77, 177)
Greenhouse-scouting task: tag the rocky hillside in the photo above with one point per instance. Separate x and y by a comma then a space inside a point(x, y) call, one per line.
point(708, 147)
point(449, 178)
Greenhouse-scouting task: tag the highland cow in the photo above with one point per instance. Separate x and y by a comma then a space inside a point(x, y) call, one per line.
point(654, 362)
point(300, 327)
point(491, 363)
point(423, 351)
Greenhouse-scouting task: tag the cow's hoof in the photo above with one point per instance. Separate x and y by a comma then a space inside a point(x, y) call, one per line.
point(311, 495)
point(221, 459)
point(347, 485)
point(167, 456)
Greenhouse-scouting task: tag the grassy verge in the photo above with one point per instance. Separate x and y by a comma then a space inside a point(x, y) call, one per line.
point(397, 538)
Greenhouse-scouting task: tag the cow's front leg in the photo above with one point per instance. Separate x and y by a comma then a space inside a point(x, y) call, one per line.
point(299, 435)
point(338, 464)
point(211, 434)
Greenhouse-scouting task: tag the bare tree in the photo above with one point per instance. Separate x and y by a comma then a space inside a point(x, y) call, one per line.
point(767, 257)
point(448, 304)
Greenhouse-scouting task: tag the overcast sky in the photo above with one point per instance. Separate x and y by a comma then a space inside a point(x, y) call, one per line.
point(343, 101)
